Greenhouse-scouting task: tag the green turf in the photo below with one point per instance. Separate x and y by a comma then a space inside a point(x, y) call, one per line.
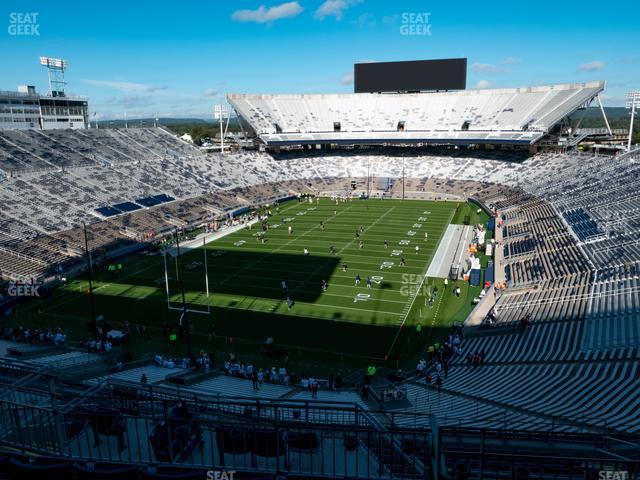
point(474, 212)
point(446, 309)
point(247, 301)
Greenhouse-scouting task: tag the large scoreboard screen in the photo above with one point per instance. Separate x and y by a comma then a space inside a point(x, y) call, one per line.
point(411, 76)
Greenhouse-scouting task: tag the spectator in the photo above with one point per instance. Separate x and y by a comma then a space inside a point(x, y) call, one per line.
point(438, 383)
point(365, 392)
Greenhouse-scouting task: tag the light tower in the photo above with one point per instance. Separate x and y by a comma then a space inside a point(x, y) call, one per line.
point(633, 102)
point(220, 112)
point(55, 69)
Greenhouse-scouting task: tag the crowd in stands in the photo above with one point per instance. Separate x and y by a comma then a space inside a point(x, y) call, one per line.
point(476, 359)
point(236, 368)
point(95, 346)
point(439, 355)
point(48, 336)
point(165, 361)
point(278, 375)
point(274, 375)
point(205, 362)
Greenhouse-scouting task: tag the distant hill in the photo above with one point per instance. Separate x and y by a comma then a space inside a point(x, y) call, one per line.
point(198, 128)
point(619, 117)
point(613, 113)
point(149, 121)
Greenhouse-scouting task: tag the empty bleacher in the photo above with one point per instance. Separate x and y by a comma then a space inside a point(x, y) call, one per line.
point(510, 115)
point(550, 371)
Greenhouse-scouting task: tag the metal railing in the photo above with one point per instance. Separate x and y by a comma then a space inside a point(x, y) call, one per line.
point(189, 435)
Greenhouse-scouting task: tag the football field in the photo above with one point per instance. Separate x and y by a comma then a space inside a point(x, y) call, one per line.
point(343, 240)
point(249, 274)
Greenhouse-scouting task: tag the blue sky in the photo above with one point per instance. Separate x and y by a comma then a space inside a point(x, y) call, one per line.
point(143, 57)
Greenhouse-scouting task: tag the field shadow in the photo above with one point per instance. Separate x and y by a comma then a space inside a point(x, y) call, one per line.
point(255, 274)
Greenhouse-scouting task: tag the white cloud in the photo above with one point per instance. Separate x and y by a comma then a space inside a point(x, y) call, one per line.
point(482, 84)
point(594, 66)
point(366, 20)
point(125, 86)
point(494, 69)
point(211, 92)
point(268, 15)
point(130, 101)
point(347, 79)
point(487, 68)
point(334, 8)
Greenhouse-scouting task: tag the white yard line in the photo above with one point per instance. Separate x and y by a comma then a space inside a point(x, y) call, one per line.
point(278, 249)
point(351, 242)
point(197, 242)
point(424, 277)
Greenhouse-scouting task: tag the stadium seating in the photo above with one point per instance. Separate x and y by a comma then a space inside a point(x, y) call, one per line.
point(498, 116)
point(547, 376)
point(154, 374)
point(555, 234)
point(236, 387)
point(569, 236)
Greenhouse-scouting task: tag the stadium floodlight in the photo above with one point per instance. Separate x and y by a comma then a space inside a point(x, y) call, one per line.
point(633, 102)
point(53, 62)
point(220, 112)
point(55, 69)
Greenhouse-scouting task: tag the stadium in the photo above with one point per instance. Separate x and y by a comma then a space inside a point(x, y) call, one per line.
point(414, 280)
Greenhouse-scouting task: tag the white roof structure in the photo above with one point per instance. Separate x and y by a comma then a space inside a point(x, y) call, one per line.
point(499, 116)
